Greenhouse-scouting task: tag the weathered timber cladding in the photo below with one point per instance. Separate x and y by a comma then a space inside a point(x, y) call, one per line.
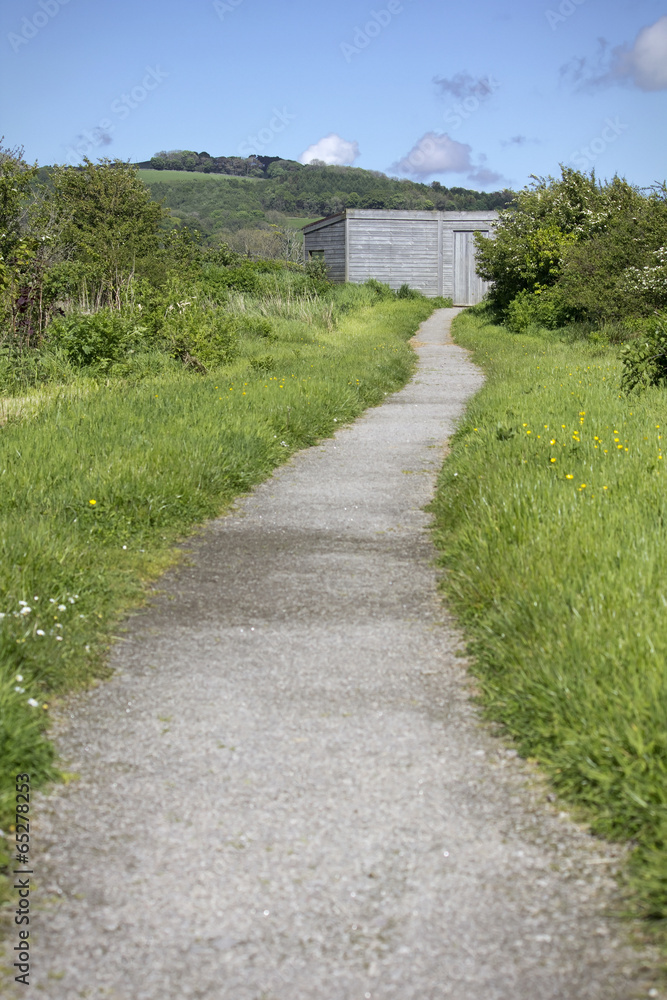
point(397, 251)
point(431, 251)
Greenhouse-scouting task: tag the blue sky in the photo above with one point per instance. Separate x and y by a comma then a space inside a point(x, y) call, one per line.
point(475, 95)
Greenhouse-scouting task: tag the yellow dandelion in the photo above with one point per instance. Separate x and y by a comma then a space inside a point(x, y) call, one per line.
point(92, 502)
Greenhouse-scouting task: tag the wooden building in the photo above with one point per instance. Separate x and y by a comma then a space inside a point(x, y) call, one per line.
point(433, 252)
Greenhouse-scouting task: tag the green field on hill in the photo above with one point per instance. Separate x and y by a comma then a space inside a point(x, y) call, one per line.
point(150, 176)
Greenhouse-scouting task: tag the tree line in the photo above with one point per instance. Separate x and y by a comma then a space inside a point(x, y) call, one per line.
point(320, 189)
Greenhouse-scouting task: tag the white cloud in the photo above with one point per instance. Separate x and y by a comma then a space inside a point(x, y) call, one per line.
point(436, 153)
point(642, 64)
point(645, 64)
point(332, 149)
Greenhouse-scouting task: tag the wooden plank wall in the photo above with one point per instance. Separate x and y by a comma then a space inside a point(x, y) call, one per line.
point(395, 250)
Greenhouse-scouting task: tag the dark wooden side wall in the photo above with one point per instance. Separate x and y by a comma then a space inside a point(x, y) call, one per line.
point(329, 235)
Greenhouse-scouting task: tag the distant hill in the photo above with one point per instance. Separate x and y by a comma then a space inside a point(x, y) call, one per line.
point(221, 195)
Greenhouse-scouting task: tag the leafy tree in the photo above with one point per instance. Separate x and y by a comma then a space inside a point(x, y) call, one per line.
point(16, 178)
point(108, 221)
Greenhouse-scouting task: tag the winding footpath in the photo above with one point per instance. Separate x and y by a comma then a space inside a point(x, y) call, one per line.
point(285, 791)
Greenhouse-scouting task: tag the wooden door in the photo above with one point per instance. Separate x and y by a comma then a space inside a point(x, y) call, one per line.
point(468, 286)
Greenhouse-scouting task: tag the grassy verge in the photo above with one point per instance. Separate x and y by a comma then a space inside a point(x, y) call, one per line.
point(96, 486)
point(551, 516)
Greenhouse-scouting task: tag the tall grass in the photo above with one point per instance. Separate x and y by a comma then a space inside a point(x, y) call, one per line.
point(96, 486)
point(551, 515)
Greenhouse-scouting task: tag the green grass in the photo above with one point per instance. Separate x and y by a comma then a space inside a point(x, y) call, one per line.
point(551, 515)
point(187, 176)
point(96, 486)
point(298, 222)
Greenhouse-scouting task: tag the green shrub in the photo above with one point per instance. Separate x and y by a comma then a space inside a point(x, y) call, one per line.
point(241, 279)
point(380, 289)
point(602, 245)
point(610, 277)
point(645, 361)
point(96, 339)
point(317, 269)
point(200, 334)
point(405, 292)
point(264, 364)
point(256, 326)
point(539, 308)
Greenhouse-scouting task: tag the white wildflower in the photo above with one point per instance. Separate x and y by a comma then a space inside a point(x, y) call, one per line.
point(26, 610)
point(40, 631)
point(33, 703)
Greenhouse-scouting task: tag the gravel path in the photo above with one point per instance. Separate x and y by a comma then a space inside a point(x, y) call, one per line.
point(285, 793)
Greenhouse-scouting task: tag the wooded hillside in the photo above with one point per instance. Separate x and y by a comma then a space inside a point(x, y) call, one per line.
point(223, 194)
